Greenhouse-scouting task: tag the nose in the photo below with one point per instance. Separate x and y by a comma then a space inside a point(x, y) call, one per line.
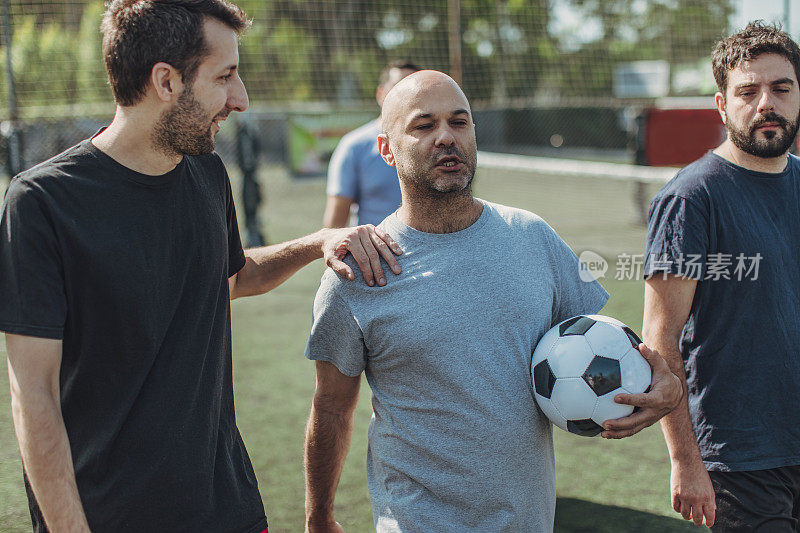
point(445, 137)
point(237, 96)
point(765, 103)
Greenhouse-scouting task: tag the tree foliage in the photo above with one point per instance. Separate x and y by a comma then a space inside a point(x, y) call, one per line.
point(333, 50)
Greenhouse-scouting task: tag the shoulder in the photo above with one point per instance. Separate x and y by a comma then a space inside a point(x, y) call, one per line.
point(57, 172)
point(362, 136)
point(794, 163)
point(692, 182)
point(69, 161)
point(209, 171)
point(518, 219)
point(211, 163)
point(333, 291)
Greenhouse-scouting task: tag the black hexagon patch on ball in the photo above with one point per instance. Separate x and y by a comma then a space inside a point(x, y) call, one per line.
point(634, 338)
point(575, 326)
point(543, 379)
point(584, 428)
point(603, 375)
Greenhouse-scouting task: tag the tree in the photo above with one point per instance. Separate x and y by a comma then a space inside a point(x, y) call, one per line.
point(615, 31)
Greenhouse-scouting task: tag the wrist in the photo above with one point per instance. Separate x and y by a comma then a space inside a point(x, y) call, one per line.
point(320, 518)
point(315, 242)
point(686, 458)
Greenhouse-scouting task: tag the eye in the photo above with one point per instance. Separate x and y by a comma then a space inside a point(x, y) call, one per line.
point(424, 126)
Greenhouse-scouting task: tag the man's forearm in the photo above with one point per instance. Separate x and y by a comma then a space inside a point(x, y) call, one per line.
point(269, 266)
point(327, 441)
point(47, 459)
point(677, 425)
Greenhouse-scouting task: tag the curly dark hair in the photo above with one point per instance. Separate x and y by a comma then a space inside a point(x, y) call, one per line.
point(137, 34)
point(756, 39)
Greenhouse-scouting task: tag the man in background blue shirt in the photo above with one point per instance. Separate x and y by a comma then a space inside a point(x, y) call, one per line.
point(357, 175)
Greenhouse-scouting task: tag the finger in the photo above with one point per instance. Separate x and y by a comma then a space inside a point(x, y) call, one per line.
point(642, 400)
point(644, 418)
point(676, 503)
point(710, 511)
point(362, 260)
point(372, 255)
point(621, 433)
point(686, 511)
point(341, 268)
point(384, 250)
point(385, 237)
point(697, 514)
point(653, 358)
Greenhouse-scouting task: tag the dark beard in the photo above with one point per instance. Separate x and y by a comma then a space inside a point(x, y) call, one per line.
point(184, 129)
point(775, 143)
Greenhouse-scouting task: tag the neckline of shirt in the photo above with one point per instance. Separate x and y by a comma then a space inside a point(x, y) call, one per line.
point(161, 181)
point(393, 223)
point(786, 172)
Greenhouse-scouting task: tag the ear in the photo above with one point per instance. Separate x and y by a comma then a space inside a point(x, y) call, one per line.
point(166, 81)
point(385, 151)
point(719, 99)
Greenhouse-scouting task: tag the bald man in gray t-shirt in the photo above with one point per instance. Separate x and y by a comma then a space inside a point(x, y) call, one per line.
point(456, 442)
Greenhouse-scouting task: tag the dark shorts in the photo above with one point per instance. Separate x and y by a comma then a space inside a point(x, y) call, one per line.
point(762, 501)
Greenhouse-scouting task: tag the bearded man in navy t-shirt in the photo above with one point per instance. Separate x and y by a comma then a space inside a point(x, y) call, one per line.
point(721, 297)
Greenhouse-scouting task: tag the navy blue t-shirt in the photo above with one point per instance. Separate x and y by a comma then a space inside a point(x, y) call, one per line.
point(737, 232)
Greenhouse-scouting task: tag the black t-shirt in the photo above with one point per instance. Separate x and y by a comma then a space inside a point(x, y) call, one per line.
point(131, 272)
point(737, 232)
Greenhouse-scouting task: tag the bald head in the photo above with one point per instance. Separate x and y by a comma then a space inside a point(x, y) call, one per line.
point(407, 99)
point(429, 135)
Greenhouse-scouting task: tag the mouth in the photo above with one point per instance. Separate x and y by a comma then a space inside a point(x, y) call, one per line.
point(216, 124)
point(449, 163)
point(216, 121)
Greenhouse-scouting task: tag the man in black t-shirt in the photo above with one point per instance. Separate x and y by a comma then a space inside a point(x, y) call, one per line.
point(721, 297)
point(118, 259)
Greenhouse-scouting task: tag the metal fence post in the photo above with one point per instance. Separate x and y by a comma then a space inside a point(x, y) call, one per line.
point(10, 129)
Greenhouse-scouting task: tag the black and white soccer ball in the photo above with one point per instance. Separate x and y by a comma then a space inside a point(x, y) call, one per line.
point(579, 366)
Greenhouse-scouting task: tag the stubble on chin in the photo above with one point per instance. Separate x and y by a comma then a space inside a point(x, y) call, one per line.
point(179, 131)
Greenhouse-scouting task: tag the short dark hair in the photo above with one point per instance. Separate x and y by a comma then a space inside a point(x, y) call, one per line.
point(137, 34)
point(402, 64)
point(756, 39)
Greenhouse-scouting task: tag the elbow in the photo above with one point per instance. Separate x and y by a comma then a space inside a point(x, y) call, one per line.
point(335, 406)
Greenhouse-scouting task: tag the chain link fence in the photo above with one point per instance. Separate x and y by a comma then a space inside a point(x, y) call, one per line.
point(557, 78)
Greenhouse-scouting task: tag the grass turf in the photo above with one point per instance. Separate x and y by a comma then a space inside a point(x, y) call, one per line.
point(613, 486)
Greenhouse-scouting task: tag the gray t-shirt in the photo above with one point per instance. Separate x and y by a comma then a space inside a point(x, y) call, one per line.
point(456, 441)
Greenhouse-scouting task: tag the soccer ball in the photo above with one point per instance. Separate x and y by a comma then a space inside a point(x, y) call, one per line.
point(579, 366)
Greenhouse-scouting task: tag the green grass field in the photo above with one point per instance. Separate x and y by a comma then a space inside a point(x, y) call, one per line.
point(613, 486)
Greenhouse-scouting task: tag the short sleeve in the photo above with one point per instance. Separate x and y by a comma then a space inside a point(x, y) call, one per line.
point(574, 296)
point(343, 171)
point(335, 334)
point(677, 238)
point(236, 258)
point(32, 283)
